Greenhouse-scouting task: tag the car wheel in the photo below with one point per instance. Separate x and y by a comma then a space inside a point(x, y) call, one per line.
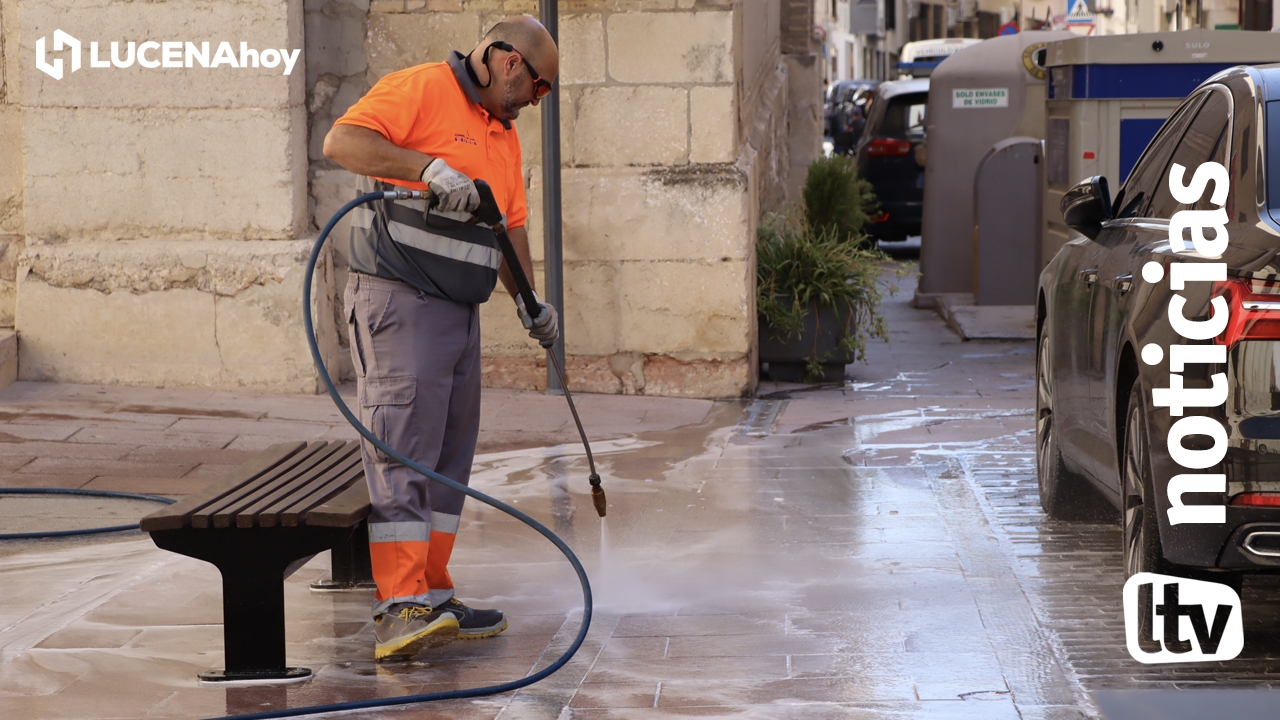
point(1063, 494)
point(1141, 534)
point(1141, 526)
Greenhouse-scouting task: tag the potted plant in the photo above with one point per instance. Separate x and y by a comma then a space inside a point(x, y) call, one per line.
point(819, 282)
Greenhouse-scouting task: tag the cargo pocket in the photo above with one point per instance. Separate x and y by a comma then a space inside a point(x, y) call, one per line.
point(353, 338)
point(387, 404)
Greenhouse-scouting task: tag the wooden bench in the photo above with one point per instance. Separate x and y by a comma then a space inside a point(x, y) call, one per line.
point(258, 525)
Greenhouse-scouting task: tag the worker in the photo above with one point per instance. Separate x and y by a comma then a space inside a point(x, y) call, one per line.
point(412, 305)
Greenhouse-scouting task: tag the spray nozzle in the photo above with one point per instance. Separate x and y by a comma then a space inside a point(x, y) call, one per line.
point(597, 495)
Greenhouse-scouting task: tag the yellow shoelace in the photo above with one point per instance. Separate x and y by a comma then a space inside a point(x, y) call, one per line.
point(410, 613)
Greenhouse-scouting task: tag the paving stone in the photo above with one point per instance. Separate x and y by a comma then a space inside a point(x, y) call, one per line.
point(98, 466)
point(59, 480)
point(616, 695)
point(162, 486)
point(167, 437)
point(727, 668)
point(718, 625)
point(45, 449)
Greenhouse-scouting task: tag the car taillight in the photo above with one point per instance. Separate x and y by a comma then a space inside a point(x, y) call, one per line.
point(888, 146)
point(1256, 499)
point(1254, 310)
point(880, 217)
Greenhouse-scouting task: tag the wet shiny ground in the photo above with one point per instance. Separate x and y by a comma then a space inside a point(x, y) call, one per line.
point(872, 550)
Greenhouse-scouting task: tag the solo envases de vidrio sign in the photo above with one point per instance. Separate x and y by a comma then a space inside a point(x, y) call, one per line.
point(980, 97)
point(1172, 619)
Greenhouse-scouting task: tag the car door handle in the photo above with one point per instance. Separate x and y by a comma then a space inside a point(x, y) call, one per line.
point(1088, 277)
point(1123, 283)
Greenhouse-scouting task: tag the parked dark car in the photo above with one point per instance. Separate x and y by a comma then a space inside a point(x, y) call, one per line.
point(1100, 439)
point(890, 155)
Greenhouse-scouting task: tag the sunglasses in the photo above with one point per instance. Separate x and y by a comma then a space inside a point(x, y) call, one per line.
point(541, 88)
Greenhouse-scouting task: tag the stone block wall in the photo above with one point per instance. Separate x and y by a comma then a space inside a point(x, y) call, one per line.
point(160, 208)
point(10, 161)
point(154, 222)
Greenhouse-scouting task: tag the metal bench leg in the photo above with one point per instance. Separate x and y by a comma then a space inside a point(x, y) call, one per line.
point(253, 563)
point(253, 623)
point(350, 563)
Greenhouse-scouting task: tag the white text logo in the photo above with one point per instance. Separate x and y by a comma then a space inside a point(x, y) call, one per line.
point(1198, 620)
point(1178, 397)
point(168, 54)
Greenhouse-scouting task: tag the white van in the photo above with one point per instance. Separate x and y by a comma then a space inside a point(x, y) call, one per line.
point(919, 58)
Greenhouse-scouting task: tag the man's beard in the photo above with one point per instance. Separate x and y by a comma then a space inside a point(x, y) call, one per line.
point(511, 105)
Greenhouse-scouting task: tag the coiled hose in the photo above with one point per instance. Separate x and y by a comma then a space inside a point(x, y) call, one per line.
point(367, 435)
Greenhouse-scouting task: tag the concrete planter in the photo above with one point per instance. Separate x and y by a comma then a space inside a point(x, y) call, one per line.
point(819, 337)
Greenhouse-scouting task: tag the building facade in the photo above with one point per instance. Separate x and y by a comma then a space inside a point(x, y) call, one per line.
point(864, 37)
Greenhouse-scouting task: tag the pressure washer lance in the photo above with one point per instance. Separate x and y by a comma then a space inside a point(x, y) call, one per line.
point(489, 214)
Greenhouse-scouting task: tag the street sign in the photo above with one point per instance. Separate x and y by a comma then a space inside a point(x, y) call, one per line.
point(1009, 28)
point(980, 98)
point(1079, 13)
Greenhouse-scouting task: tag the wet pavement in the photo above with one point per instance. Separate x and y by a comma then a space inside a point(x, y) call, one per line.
point(871, 550)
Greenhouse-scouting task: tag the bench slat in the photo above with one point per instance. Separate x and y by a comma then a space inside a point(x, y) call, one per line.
point(321, 494)
point(178, 515)
point(315, 465)
point(302, 459)
point(343, 510)
point(298, 494)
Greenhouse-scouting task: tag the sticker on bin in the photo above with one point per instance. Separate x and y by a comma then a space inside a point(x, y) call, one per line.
point(980, 98)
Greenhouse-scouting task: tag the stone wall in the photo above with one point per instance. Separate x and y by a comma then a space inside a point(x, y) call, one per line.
point(161, 208)
point(10, 161)
point(154, 223)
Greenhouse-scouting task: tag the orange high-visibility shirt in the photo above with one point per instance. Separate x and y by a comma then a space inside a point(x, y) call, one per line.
point(434, 109)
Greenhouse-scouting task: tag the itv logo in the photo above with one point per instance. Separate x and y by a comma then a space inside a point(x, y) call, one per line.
point(1171, 620)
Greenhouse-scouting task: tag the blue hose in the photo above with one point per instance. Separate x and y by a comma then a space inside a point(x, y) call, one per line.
point(84, 493)
point(366, 434)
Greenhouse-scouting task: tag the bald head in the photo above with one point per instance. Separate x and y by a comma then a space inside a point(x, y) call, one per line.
point(531, 40)
point(509, 79)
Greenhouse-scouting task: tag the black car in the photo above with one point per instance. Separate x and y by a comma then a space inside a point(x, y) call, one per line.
point(890, 155)
point(1106, 340)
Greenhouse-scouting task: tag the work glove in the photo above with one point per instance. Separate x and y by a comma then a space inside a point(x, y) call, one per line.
point(544, 328)
point(454, 192)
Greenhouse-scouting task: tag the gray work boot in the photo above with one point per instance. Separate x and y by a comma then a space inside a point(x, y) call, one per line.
point(474, 624)
point(409, 629)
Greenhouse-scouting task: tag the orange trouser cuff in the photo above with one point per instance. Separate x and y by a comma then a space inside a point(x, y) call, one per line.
point(400, 568)
point(437, 568)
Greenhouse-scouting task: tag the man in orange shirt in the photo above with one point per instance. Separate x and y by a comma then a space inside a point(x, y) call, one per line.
point(418, 275)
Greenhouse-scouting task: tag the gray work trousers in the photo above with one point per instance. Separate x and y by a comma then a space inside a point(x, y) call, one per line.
point(417, 363)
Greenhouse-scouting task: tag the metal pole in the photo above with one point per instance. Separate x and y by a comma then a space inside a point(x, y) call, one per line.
point(552, 251)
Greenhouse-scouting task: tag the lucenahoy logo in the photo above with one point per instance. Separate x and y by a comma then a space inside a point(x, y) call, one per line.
point(168, 54)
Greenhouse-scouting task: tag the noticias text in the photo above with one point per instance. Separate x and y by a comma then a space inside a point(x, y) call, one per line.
point(1176, 397)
